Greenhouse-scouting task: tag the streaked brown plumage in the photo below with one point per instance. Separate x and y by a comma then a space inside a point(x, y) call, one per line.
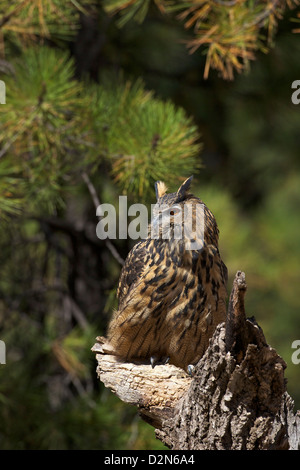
point(170, 298)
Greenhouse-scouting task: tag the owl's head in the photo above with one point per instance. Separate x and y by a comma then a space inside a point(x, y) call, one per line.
point(183, 216)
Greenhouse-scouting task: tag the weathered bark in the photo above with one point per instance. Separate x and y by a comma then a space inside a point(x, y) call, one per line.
point(236, 398)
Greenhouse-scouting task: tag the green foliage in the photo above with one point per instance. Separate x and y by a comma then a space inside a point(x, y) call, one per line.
point(27, 20)
point(44, 124)
point(11, 190)
point(145, 137)
point(137, 10)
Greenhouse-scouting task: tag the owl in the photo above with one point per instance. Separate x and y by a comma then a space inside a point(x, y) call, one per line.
point(172, 287)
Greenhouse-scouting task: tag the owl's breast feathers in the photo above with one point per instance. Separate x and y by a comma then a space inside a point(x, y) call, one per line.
point(170, 301)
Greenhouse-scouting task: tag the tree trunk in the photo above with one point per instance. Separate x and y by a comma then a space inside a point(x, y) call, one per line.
point(235, 400)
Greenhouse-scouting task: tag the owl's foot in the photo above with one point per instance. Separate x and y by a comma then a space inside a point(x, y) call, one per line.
point(154, 360)
point(191, 369)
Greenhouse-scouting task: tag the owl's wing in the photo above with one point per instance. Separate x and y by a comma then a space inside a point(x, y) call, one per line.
point(133, 269)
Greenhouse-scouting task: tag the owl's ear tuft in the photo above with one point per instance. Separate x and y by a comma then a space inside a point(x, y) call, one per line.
point(160, 189)
point(184, 187)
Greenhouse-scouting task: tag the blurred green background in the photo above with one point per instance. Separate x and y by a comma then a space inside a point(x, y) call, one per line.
point(90, 102)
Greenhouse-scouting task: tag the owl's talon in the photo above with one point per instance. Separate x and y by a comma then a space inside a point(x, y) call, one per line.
point(158, 360)
point(153, 361)
point(191, 370)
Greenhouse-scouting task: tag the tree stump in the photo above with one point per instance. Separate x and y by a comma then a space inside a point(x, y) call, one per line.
point(236, 399)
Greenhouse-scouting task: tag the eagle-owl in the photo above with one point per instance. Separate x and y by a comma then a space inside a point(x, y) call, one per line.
point(171, 294)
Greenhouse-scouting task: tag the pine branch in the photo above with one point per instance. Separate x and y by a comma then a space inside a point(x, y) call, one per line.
point(6, 18)
point(229, 29)
point(30, 19)
point(265, 14)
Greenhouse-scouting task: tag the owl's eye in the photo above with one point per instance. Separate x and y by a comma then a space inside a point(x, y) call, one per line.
point(175, 210)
